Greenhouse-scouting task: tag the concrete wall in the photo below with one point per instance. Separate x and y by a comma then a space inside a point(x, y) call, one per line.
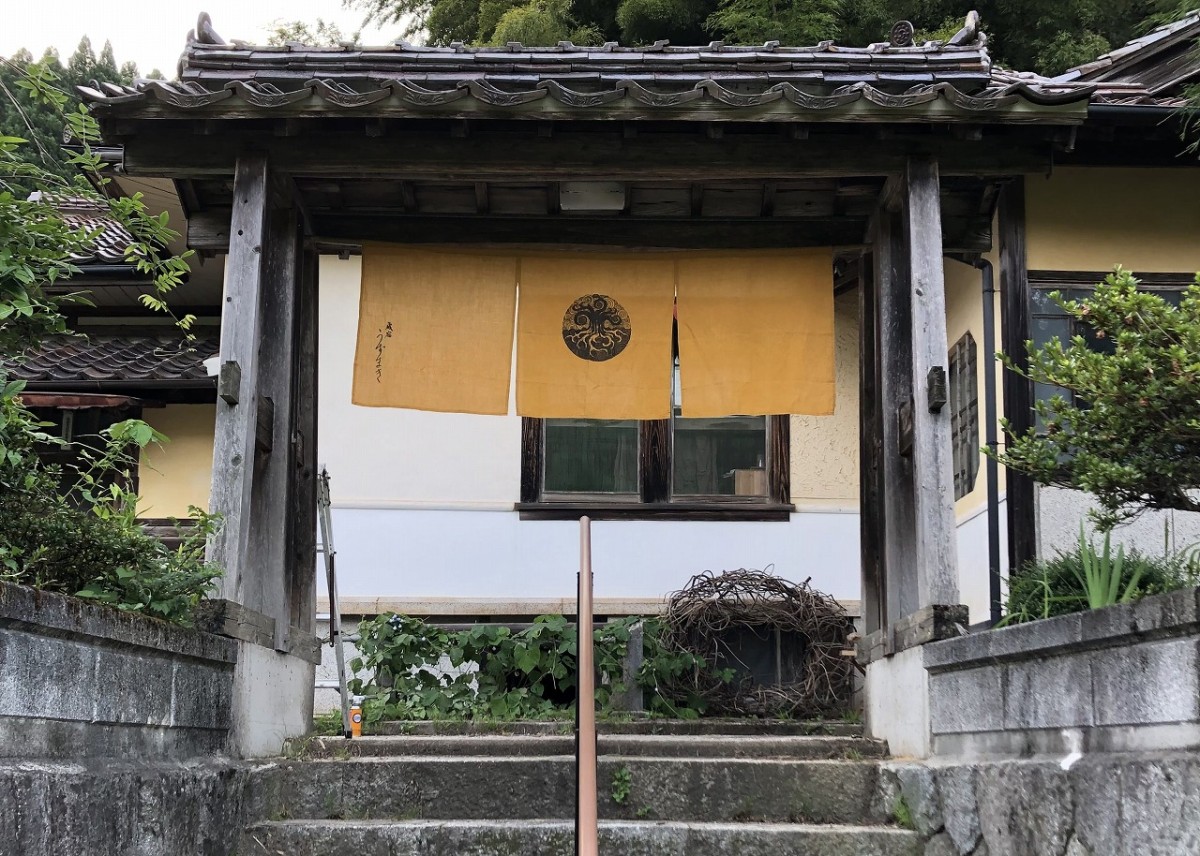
point(177, 474)
point(1126, 804)
point(82, 681)
point(1123, 678)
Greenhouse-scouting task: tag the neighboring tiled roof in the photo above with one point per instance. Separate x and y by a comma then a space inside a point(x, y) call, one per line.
point(1151, 70)
point(111, 238)
point(720, 81)
point(127, 358)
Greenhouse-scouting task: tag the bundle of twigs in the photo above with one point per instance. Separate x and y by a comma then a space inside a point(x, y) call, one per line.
point(704, 616)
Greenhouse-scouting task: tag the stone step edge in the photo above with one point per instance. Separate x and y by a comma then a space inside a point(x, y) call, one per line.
point(555, 823)
point(705, 727)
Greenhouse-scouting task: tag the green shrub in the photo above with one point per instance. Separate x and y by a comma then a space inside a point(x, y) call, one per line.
point(84, 540)
point(1058, 586)
point(420, 671)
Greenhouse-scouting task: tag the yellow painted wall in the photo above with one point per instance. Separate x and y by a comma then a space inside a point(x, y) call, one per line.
point(964, 313)
point(825, 448)
point(1092, 218)
point(177, 473)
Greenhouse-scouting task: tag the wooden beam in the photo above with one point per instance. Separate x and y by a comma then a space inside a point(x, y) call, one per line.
point(654, 466)
point(241, 327)
point(933, 473)
point(617, 232)
point(532, 440)
point(208, 231)
point(1018, 393)
point(893, 310)
point(575, 155)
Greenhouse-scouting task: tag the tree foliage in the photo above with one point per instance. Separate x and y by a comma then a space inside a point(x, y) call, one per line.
point(25, 116)
point(1025, 34)
point(1128, 428)
point(73, 527)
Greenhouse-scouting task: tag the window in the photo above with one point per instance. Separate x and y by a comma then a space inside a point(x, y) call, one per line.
point(964, 415)
point(1048, 321)
point(79, 427)
point(731, 467)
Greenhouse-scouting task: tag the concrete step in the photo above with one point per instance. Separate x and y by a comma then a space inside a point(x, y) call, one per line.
point(556, 838)
point(625, 745)
point(638, 725)
point(676, 789)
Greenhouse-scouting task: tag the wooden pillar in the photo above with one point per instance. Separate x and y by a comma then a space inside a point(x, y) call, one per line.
point(936, 544)
point(1018, 394)
point(237, 389)
point(265, 441)
point(303, 464)
point(273, 534)
point(871, 519)
point(893, 313)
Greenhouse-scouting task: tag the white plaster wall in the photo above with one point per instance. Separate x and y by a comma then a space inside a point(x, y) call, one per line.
point(1060, 512)
point(974, 584)
point(478, 553)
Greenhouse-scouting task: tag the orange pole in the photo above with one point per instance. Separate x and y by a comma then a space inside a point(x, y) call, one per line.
point(586, 807)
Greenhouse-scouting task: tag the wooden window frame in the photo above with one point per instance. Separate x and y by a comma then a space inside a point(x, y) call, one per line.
point(964, 413)
point(654, 500)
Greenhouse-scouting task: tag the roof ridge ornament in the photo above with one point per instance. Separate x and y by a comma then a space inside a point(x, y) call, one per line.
point(204, 34)
point(901, 34)
point(970, 33)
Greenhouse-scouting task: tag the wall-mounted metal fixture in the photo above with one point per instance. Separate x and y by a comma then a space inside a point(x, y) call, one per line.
point(935, 385)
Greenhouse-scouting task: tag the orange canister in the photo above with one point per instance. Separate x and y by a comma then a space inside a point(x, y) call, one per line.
point(356, 719)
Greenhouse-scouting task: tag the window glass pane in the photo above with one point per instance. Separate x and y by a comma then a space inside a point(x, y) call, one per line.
point(720, 457)
point(591, 456)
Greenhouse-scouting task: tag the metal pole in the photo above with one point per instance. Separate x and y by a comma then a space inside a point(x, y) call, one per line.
point(586, 802)
point(335, 611)
point(989, 426)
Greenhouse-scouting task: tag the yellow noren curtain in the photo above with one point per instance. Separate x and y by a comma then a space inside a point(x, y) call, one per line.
point(594, 337)
point(756, 333)
point(435, 330)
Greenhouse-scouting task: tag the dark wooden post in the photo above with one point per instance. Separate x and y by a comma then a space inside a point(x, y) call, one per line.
point(1018, 396)
point(303, 466)
point(893, 319)
point(237, 390)
point(936, 544)
point(871, 517)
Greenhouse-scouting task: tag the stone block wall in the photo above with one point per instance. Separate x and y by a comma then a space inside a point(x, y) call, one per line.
point(86, 681)
point(1125, 678)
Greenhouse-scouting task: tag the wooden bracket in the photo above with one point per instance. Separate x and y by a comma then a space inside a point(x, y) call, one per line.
point(935, 386)
point(904, 422)
point(265, 425)
point(229, 382)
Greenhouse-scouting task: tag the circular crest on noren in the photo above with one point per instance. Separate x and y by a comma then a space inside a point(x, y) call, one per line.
point(902, 34)
point(596, 328)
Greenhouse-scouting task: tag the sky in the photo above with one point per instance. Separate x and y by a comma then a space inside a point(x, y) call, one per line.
point(152, 32)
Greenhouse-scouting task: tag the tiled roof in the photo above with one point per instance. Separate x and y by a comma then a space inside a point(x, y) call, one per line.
point(127, 358)
point(718, 80)
point(1151, 70)
point(110, 237)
